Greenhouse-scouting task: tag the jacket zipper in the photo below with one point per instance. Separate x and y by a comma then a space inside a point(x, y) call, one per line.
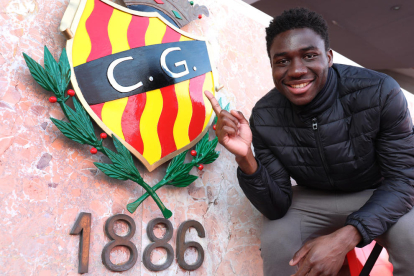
point(320, 149)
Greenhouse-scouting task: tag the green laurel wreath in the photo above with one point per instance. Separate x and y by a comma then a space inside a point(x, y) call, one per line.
point(55, 78)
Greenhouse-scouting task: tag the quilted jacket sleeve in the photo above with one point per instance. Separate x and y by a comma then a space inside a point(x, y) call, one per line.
point(269, 188)
point(395, 154)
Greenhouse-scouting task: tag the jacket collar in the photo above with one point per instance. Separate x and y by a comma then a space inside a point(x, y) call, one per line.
point(323, 100)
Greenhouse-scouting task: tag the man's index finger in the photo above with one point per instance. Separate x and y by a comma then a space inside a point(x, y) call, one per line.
point(214, 103)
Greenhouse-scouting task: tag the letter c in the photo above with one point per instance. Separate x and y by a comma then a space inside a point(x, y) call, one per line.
point(114, 83)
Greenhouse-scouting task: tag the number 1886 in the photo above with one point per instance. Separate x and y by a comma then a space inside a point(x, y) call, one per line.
point(82, 227)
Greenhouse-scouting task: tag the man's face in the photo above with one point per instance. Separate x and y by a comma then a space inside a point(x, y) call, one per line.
point(299, 64)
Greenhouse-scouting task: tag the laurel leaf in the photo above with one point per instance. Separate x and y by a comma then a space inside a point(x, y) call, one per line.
point(206, 153)
point(111, 171)
point(52, 69)
point(69, 131)
point(122, 149)
point(126, 157)
point(181, 172)
point(64, 68)
point(175, 163)
point(212, 145)
point(38, 73)
point(77, 122)
point(122, 162)
point(210, 158)
point(220, 101)
point(185, 181)
point(227, 108)
point(201, 145)
point(80, 120)
point(85, 119)
point(118, 161)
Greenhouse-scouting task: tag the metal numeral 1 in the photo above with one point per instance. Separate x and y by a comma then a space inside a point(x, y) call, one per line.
point(82, 227)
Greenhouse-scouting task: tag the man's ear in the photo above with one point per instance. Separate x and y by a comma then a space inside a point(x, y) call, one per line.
point(329, 54)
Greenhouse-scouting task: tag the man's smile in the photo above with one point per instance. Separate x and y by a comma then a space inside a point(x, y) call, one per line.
point(299, 87)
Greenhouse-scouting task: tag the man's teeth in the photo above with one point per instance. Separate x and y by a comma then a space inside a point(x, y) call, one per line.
point(299, 85)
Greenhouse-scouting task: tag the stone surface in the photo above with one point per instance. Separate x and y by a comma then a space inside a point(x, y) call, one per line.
point(44, 161)
point(46, 180)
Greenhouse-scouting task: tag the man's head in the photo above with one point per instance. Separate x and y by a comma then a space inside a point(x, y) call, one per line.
point(298, 47)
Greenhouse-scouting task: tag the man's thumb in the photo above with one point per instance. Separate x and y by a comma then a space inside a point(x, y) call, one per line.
point(299, 255)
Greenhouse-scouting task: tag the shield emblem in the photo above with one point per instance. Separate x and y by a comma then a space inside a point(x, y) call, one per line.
point(141, 79)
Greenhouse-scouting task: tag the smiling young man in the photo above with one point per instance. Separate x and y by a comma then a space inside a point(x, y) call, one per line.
point(345, 135)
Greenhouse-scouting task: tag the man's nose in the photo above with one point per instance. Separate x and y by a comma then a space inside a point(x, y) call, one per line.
point(297, 69)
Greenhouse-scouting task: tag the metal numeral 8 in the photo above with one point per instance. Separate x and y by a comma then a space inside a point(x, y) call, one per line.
point(158, 243)
point(119, 241)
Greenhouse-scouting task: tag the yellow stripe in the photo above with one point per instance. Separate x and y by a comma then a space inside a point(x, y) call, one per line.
point(148, 126)
point(82, 45)
point(208, 85)
point(185, 111)
point(112, 115)
point(118, 31)
point(155, 32)
point(184, 38)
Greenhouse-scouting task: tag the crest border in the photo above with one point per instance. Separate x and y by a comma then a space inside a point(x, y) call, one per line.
point(69, 46)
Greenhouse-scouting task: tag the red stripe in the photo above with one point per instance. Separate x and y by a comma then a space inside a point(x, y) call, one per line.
point(199, 110)
point(171, 36)
point(167, 119)
point(97, 28)
point(97, 108)
point(131, 120)
point(136, 31)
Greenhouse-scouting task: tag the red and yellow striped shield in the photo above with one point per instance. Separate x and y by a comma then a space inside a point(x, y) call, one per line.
point(163, 114)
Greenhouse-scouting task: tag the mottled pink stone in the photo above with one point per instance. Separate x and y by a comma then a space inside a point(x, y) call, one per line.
point(46, 180)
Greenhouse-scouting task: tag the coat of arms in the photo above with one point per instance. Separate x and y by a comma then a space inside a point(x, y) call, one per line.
point(142, 80)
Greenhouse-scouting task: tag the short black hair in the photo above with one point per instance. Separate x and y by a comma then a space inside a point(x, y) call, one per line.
point(297, 18)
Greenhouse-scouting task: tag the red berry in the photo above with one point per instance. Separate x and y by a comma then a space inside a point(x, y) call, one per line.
point(214, 127)
point(52, 99)
point(94, 150)
point(193, 153)
point(104, 135)
point(71, 92)
point(200, 16)
point(201, 167)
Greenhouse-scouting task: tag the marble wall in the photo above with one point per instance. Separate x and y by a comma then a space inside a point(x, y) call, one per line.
point(46, 180)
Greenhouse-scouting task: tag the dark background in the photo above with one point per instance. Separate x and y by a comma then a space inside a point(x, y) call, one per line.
point(377, 34)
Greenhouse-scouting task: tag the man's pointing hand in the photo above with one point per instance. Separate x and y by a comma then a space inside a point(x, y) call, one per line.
point(233, 132)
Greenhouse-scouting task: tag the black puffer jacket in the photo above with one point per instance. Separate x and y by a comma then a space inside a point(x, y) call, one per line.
point(356, 134)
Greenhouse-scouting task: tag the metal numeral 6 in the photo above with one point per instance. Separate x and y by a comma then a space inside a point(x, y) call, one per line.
point(182, 245)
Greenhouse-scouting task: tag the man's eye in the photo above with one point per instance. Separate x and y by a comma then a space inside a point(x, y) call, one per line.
point(310, 56)
point(281, 62)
